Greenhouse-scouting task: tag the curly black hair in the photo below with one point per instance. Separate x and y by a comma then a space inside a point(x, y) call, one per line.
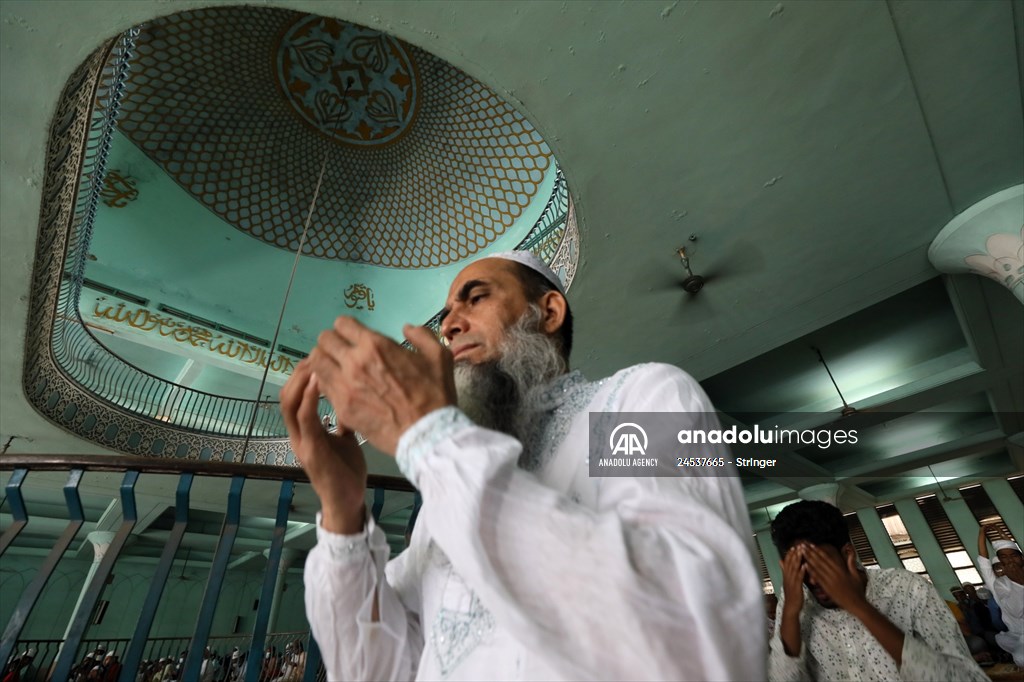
point(817, 522)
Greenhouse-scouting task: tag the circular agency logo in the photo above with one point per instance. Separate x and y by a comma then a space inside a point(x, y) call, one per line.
point(628, 439)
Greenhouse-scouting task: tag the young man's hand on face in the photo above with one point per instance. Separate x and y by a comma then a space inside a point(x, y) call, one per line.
point(793, 572)
point(841, 580)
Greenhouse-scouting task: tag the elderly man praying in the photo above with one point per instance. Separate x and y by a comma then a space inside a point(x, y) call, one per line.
point(521, 566)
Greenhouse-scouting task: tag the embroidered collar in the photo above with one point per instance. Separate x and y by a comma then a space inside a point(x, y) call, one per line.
point(557, 391)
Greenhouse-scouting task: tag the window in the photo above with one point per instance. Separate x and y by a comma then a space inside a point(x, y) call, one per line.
point(981, 506)
point(946, 535)
point(901, 540)
point(964, 568)
point(860, 541)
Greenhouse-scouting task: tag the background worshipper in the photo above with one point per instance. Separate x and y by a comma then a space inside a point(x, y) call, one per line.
point(887, 624)
point(1007, 590)
point(994, 613)
point(520, 565)
point(975, 623)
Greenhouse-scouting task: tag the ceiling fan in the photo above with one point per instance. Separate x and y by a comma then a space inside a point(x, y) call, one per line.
point(693, 283)
point(743, 258)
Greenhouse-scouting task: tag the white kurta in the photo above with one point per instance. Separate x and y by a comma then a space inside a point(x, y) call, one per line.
point(1010, 598)
point(548, 574)
point(837, 646)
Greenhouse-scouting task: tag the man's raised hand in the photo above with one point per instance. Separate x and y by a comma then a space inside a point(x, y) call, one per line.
point(377, 387)
point(334, 462)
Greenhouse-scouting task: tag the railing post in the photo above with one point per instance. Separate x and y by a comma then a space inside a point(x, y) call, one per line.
point(259, 631)
point(417, 502)
point(312, 660)
point(35, 588)
point(13, 492)
point(194, 660)
point(378, 504)
point(133, 658)
point(94, 588)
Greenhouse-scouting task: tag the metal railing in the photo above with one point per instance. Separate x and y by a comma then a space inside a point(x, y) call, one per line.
point(221, 664)
point(63, 659)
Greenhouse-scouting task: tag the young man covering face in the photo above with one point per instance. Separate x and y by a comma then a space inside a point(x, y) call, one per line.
point(840, 622)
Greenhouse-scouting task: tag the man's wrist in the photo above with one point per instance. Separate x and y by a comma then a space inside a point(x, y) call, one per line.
point(421, 437)
point(343, 521)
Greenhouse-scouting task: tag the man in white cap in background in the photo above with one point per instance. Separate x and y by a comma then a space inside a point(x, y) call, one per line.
point(1008, 590)
point(520, 566)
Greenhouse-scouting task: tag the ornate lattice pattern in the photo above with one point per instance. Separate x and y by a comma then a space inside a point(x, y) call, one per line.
point(73, 167)
point(205, 103)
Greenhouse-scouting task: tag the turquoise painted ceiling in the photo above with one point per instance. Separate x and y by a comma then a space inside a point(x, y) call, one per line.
point(814, 149)
point(167, 247)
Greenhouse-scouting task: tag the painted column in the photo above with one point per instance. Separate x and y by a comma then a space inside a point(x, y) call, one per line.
point(935, 561)
point(771, 559)
point(878, 537)
point(1008, 505)
point(288, 557)
point(987, 239)
point(965, 524)
point(100, 540)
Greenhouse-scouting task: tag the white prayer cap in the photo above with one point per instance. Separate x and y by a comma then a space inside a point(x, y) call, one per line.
point(1005, 544)
point(983, 593)
point(529, 260)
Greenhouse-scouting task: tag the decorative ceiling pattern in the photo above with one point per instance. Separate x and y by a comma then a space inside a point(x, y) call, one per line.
point(426, 166)
point(350, 83)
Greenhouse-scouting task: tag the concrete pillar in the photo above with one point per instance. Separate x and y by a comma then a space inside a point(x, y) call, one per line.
point(771, 559)
point(100, 540)
point(1008, 505)
point(935, 561)
point(288, 557)
point(965, 524)
point(878, 537)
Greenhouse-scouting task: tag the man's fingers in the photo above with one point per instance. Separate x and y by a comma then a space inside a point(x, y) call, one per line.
point(333, 345)
point(324, 367)
point(422, 339)
point(308, 420)
point(291, 395)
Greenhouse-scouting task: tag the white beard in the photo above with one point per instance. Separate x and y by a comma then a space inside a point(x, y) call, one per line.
point(496, 394)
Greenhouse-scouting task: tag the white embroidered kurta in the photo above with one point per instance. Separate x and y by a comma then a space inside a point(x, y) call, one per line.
point(548, 574)
point(1010, 598)
point(837, 646)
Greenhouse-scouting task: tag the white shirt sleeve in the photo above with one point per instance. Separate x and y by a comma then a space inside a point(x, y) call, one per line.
point(656, 583)
point(343, 575)
point(781, 666)
point(988, 576)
